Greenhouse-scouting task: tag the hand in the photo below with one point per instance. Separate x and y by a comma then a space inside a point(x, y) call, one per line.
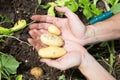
point(73, 31)
point(72, 26)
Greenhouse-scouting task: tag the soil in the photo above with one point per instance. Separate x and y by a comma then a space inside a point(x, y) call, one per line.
point(23, 51)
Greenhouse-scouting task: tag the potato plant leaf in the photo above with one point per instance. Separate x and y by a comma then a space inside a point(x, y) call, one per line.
point(5, 31)
point(112, 2)
point(89, 8)
point(19, 77)
point(61, 3)
point(9, 64)
point(96, 11)
point(116, 8)
point(72, 5)
point(51, 11)
point(87, 13)
point(21, 24)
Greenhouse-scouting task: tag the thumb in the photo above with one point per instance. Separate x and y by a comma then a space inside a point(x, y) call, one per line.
point(53, 63)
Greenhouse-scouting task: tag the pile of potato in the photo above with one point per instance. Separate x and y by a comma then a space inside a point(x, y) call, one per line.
point(54, 43)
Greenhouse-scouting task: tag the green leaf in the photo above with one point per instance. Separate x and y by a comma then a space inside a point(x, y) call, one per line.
point(116, 8)
point(21, 24)
point(9, 64)
point(83, 3)
point(87, 13)
point(96, 11)
point(112, 2)
point(62, 77)
point(4, 31)
point(61, 3)
point(51, 11)
point(19, 77)
point(89, 9)
point(72, 5)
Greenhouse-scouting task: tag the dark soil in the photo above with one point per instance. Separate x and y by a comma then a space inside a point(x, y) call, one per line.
point(26, 54)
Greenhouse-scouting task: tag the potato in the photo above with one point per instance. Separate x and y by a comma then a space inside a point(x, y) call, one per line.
point(36, 72)
point(54, 30)
point(51, 40)
point(54, 43)
point(51, 52)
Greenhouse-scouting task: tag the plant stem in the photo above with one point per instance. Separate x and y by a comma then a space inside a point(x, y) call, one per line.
point(106, 5)
point(16, 39)
point(111, 51)
point(4, 75)
point(36, 9)
point(0, 71)
point(116, 1)
point(88, 48)
point(30, 23)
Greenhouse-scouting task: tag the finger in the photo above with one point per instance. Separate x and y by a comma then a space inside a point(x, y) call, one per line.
point(65, 62)
point(39, 26)
point(34, 26)
point(36, 43)
point(73, 18)
point(34, 33)
point(32, 42)
point(53, 63)
point(43, 31)
point(60, 63)
point(39, 44)
point(44, 18)
point(68, 13)
point(48, 19)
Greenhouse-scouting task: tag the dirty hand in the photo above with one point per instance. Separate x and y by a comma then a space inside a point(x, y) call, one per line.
point(73, 32)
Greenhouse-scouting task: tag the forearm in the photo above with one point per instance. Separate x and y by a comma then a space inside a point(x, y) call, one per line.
point(104, 31)
point(92, 70)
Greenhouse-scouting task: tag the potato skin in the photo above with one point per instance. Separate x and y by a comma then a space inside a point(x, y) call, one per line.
point(36, 72)
point(51, 40)
point(51, 52)
point(54, 30)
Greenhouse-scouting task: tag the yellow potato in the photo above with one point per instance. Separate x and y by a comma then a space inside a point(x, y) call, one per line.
point(51, 40)
point(51, 52)
point(36, 72)
point(54, 30)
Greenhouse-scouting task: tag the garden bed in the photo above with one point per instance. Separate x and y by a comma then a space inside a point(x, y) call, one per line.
point(27, 55)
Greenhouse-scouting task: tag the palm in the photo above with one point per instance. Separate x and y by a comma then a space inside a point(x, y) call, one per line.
point(69, 31)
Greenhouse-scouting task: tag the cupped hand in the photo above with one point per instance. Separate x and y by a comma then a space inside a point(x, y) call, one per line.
point(72, 32)
point(71, 27)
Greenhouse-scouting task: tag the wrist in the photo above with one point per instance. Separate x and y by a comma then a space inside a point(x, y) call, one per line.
point(90, 68)
point(89, 36)
point(102, 31)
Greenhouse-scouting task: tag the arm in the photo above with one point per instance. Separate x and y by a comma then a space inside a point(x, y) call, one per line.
point(78, 35)
point(92, 70)
point(103, 31)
